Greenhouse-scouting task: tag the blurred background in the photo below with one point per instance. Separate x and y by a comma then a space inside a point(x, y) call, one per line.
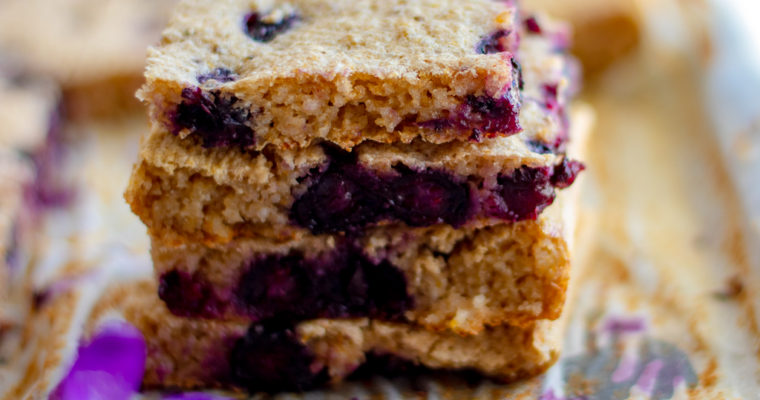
point(673, 168)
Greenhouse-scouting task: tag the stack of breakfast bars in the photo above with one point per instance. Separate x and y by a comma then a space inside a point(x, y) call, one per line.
point(331, 182)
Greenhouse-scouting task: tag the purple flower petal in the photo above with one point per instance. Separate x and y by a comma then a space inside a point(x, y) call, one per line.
point(109, 366)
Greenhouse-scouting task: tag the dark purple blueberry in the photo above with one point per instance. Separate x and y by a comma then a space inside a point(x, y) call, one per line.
point(274, 285)
point(428, 198)
point(262, 31)
point(496, 42)
point(270, 358)
point(386, 288)
point(494, 116)
point(334, 203)
point(214, 118)
point(218, 74)
point(525, 193)
point(551, 97)
point(342, 283)
point(566, 172)
point(532, 26)
point(186, 295)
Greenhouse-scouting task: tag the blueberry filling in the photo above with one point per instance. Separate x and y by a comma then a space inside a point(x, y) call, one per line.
point(342, 283)
point(486, 116)
point(348, 197)
point(270, 358)
point(566, 172)
point(496, 42)
point(214, 118)
point(218, 74)
point(262, 30)
point(187, 295)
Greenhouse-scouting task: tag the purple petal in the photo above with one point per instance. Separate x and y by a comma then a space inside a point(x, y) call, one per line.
point(109, 366)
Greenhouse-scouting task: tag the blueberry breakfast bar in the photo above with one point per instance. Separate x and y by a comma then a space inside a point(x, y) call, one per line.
point(245, 74)
point(139, 334)
point(182, 190)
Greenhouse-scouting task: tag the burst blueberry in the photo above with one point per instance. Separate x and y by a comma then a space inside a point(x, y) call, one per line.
point(215, 118)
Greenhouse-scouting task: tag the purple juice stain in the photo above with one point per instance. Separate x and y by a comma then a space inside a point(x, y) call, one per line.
point(262, 31)
point(630, 359)
point(214, 117)
point(108, 366)
point(270, 358)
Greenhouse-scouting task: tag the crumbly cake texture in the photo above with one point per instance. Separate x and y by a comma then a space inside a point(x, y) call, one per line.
point(251, 73)
point(191, 193)
point(438, 277)
point(192, 353)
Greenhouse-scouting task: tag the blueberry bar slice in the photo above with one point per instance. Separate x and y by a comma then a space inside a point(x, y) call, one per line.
point(191, 193)
point(239, 73)
point(148, 346)
point(439, 277)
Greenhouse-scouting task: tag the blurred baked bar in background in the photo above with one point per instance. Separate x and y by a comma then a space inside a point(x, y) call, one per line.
point(95, 49)
point(604, 30)
point(30, 152)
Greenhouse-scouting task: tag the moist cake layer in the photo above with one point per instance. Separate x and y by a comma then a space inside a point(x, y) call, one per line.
point(181, 191)
point(249, 73)
point(277, 356)
point(440, 277)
